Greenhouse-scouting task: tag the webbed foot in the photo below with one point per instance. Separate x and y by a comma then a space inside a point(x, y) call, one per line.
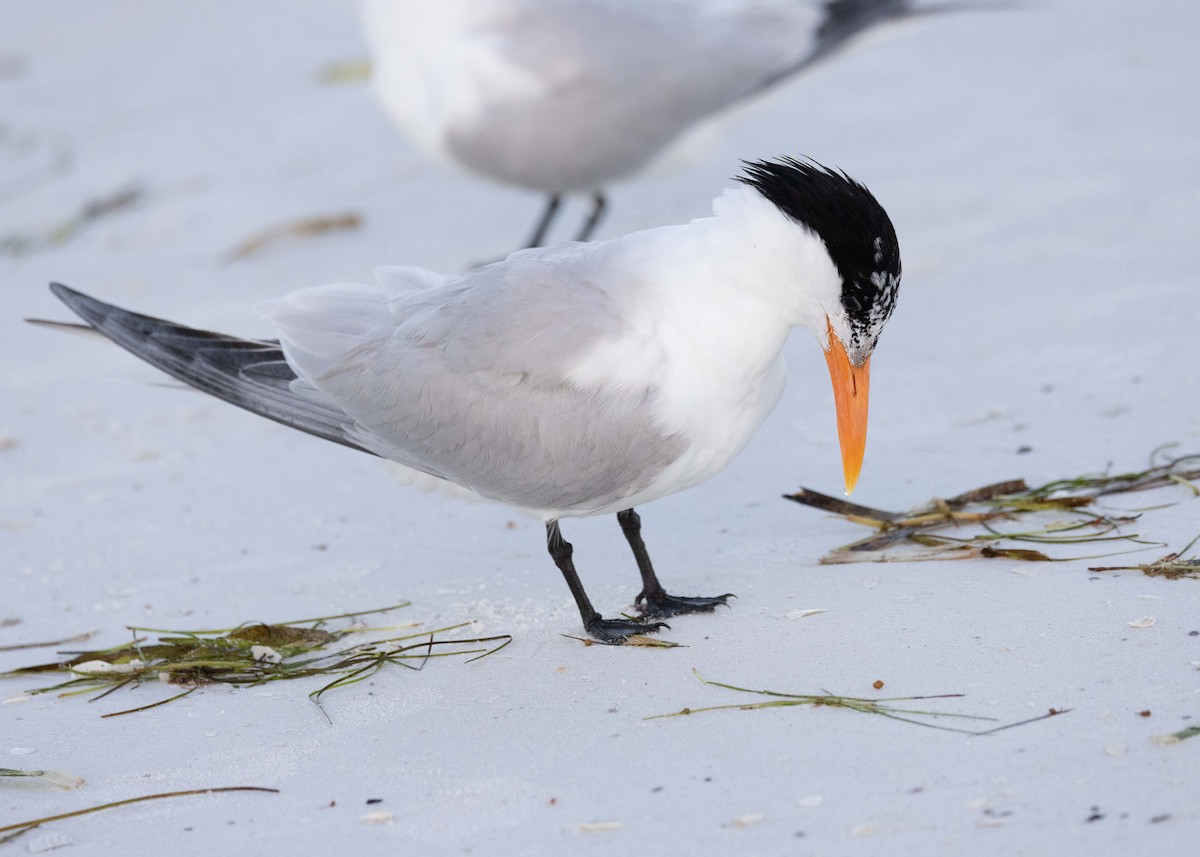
point(661, 604)
point(616, 632)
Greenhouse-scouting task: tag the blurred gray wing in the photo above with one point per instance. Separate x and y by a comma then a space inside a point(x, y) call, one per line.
point(613, 83)
point(841, 20)
point(622, 80)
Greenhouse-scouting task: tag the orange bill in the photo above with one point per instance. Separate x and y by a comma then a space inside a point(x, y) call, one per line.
point(850, 387)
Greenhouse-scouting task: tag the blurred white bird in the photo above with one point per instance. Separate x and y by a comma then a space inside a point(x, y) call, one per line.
point(568, 96)
point(577, 380)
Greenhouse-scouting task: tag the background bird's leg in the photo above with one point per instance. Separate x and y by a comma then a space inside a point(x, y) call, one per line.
point(614, 631)
point(653, 600)
point(543, 225)
point(599, 207)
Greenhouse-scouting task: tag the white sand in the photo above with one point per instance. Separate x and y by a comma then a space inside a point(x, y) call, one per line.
point(1041, 169)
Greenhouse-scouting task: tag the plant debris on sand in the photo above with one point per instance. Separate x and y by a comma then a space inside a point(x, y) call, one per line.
point(306, 227)
point(1172, 566)
point(908, 536)
point(12, 831)
point(253, 654)
point(1177, 737)
point(54, 779)
point(854, 703)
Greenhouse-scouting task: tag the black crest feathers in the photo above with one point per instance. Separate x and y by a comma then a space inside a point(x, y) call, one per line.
point(856, 231)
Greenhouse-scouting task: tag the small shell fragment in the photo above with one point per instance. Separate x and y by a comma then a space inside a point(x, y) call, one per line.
point(1144, 622)
point(748, 820)
point(811, 801)
point(800, 614)
point(99, 667)
point(265, 655)
point(379, 817)
point(49, 842)
point(599, 827)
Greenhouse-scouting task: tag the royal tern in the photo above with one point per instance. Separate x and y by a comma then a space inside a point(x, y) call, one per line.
point(569, 96)
point(576, 380)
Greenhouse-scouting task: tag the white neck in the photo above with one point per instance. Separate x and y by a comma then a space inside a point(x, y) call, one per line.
point(706, 309)
point(748, 272)
point(718, 295)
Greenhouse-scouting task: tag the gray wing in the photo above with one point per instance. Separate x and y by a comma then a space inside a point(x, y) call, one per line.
point(251, 374)
point(470, 382)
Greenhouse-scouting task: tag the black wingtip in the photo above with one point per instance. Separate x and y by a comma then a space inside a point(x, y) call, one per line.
point(67, 295)
point(84, 306)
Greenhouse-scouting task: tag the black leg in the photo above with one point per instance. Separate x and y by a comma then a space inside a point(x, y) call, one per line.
point(613, 631)
point(543, 226)
point(599, 207)
point(653, 600)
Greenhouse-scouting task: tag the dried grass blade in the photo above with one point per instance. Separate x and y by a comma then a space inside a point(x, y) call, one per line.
point(78, 638)
point(838, 506)
point(151, 705)
point(865, 706)
point(27, 825)
point(306, 227)
point(199, 634)
point(1176, 737)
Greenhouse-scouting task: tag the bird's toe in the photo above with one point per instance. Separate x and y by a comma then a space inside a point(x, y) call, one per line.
point(662, 604)
point(616, 632)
